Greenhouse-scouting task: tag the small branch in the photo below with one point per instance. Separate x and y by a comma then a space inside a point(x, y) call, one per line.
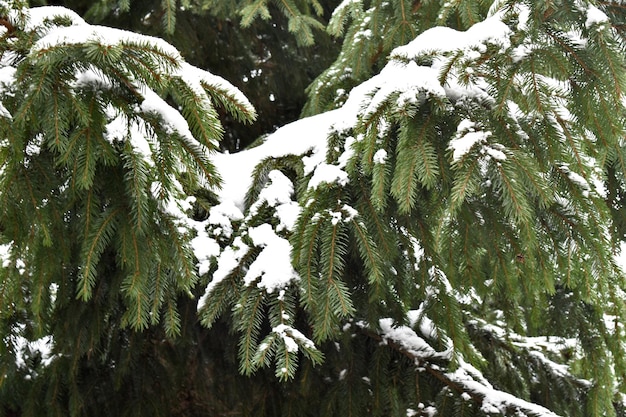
point(462, 381)
point(10, 28)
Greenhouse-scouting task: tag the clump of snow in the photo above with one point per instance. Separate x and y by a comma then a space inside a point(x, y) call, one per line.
point(410, 81)
point(595, 16)
point(41, 347)
point(582, 182)
point(380, 157)
point(222, 215)
point(466, 138)
point(205, 248)
point(37, 16)
point(277, 192)
point(227, 261)
point(292, 338)
point(120, 128)
point(327, 173)
point(273, 264)
point(348, 152)
point(346, 214)
point(7, 77)
point(5, 255)
point(409, 340)
point(442, 39)
point(288, 214)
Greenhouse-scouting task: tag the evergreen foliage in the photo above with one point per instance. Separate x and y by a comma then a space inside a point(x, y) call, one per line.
point(441, 241)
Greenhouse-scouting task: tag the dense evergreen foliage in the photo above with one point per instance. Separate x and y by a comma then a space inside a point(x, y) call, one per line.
point(440, 236)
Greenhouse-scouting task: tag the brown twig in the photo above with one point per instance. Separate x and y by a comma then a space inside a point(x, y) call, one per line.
point(5, 22)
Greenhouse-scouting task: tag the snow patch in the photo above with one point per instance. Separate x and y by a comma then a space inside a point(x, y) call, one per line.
point(442, 39)
point(380, 157)
point(466, 138)
point(227, 261)
point(326, 173)
point(595, 16)
point(273, 264)
point(293, 338)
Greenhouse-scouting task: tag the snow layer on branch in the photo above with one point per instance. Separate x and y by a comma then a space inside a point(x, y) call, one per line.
point(493, 400)
point(307, 137)
point(172, 118)
point(408, 81)
point(409, 340)
point(595, 16)
point(81, 33)
point(196, 78)
point(467, 136)
point(442, 39)
point(292, 338)
point(226, 262)
point(327, 173)
point(278, 194)
point(297, 138)
point(37, 16)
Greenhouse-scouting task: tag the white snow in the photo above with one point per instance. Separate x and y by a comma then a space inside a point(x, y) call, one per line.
point(5, 255)
point(406, 79)
point(222, 215)
point(272, 270)
point(81, 33)
point(494, 401)
point(595, 16)
point(7, 77)
point(42, 346)
point(37, 16)
point(292, 338)
point(409, 340)
point(297, 138)
point(466, 138)
point(120, 128)
point(288, 214)
point(172, 118)
point(205, 248)
point(380, 157)
point(227, 261)
point(442, 39)
point(91, 78)
point(326, 173)
point(279, 191)
point(273, 264)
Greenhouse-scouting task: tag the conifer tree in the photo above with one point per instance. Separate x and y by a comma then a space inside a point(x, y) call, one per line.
point(458, 214)
point(440, 241)
point(104, 134)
